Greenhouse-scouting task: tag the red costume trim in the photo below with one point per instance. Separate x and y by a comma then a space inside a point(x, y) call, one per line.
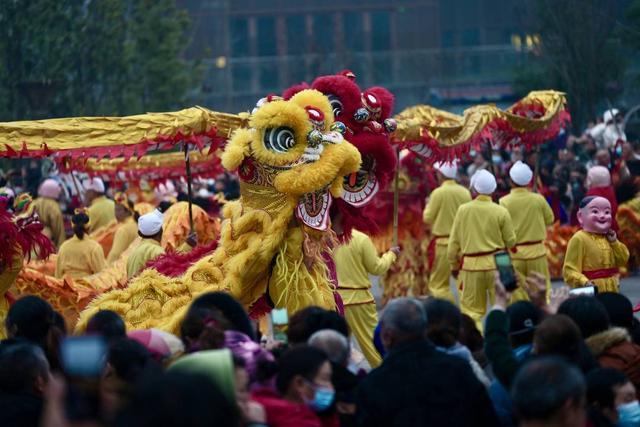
point(603, 273)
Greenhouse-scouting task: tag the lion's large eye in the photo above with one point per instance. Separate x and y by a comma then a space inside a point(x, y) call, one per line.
point(336, 105)
point(280, 139)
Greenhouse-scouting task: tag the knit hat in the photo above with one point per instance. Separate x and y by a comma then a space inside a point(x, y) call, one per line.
point(523, 317)
point(50, 188)
point(520, 173)
point(215, 364)
point(598, 176)
point(449, 170)
point(151, 223)
point(483, 182)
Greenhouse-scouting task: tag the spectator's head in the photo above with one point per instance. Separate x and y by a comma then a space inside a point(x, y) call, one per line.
point(310, 320)
point(108, 324)
point(30, 318)
point(127, 361)
point(178, 399)
point(479, 160)
point(50, 188)
point(80, 224)
point(203, 329)
point(305, 377)
point(124, 207)
point(470, 336)
point(444, 322)
point(588, 313)
point(93, 188)
point(558, 335)
point(598, 176)
point(150, 225)
point(216, 364)
point(610, 394)
point(524, 317)
point(618, 307)
point(23, 368)
point(229, 308)
point(520, 174)
point(550, 392)
point(603, 158)
point(403, 320)
point(334, 344)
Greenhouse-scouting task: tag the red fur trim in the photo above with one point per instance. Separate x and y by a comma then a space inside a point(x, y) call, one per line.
point(288, 93)
point(260, 308)
point(174, 264)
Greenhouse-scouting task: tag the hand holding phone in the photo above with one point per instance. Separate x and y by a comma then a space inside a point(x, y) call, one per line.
point(506, 271)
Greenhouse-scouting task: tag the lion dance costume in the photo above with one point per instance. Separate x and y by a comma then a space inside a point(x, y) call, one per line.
point(291, 162)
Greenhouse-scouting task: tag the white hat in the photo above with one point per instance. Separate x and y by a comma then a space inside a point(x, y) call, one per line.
point(484, 182)
point(521, 173)
point(95, 184)
point(450, 170)
point(609, 115)
point(150, 224)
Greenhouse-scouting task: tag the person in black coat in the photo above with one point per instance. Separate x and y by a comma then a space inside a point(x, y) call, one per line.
point(416, 385)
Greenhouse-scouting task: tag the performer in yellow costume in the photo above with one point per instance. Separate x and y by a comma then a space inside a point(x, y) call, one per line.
point(595, 255)
point(127, 227)
point(439, 215)
point(481, 228)
point(101, 210)
point(531, 215)
point(80, 256)
point(150, 229)
point(291, 161)
point(48, 209)
point(355, 260)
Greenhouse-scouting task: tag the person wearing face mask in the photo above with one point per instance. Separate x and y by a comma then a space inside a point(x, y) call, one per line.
point(594, 254)
point(612, 399)
point(599, 184)
point(304, 390)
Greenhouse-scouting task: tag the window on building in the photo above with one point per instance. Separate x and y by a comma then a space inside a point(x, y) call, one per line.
point(296, 34)
point(470, 38)
point(353, 31)
point(380, 30)
point(241, 77)
point(239, 31)
point(323, 33)
point(266, 36)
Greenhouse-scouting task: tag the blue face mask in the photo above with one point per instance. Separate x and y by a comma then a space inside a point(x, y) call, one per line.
point(322, 398)
point(629, 414)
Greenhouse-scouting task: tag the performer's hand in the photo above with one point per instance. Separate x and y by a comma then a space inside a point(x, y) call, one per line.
point(395, 250)
point(612, 237)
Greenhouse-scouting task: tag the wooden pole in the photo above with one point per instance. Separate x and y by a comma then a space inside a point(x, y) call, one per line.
point(187, 163)
point(396, 198)
point(536, 171)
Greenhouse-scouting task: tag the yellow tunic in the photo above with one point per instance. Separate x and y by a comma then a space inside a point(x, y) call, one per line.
point(79, 258)
point(443, 205)
point(102, 212)
point(51, 217)
point(531, 215)
point(147, 250)
point(354, 262)
point(587, 252)
point(439, 215)
point(480, 226)
point(125, 235)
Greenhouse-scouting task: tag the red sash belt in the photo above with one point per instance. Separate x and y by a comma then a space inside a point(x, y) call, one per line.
point(431, 251)
point(477, 254)
point(529, 243)
point(603, 273)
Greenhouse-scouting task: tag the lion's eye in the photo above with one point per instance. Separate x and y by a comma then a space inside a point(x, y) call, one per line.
point(279, 139)
point(336, 105)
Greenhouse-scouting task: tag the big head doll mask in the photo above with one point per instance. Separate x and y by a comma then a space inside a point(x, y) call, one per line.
point(594, 215)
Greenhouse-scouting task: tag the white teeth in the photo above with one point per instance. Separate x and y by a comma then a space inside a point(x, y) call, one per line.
point(421, 149)
point(363, 196)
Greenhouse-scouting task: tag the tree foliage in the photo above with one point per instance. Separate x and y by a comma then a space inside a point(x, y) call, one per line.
point(579, 54)
point(92, 57)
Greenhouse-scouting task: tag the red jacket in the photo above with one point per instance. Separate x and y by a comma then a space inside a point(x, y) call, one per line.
point(282, 413)
point(610, 195)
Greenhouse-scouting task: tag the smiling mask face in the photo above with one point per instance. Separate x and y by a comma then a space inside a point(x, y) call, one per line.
point(596, 217)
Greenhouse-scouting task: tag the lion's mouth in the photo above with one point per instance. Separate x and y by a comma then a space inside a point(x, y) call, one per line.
point(361, 186)
point(313, 209)
point(421, 149)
